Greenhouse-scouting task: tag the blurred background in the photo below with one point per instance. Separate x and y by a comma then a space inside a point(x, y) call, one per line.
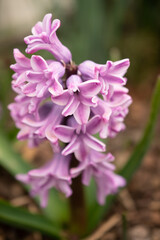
point(98, 30)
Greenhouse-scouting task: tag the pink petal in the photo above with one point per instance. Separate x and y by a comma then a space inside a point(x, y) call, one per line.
point(71, 106)
point(32, 48)
point(65, 188)
point(64, 133)
point(29, 89)
point(34, 76)
point(112, 79)
point(31, 122)
point(82, 114)
point(61, 99)
point(72, 82)
point(87, 68)
point(120, 67)
point(37, 29)
point(21, 59)
point(77, 170)
point(90, 88)
point(38, 63)
point(55, 25)
point(56, 88)
point(43, 198)
point(23, 133)
point(46, 23)
point(71, 147)
point(89, 101)
point(23, 178)
point(87, 176)
point(50, 135)
point(21, 79)
point(94, 125)
point(94, 143)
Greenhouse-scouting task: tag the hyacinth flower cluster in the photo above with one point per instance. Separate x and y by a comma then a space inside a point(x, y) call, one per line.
point(69, 105)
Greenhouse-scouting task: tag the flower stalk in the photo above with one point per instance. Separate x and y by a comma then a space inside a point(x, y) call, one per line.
point(77, 204)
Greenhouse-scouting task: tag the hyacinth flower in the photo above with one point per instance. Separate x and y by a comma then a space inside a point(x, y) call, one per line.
point(34, 77)
point(68, 105)
point(44, 37)
point(98, 165)
point(78, 98)
point(80, 135)
point(53, 174)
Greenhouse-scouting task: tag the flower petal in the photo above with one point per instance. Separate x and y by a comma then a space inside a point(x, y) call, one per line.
point(21, 59)
point(46, 23)
point(64, 133)
point(73, 81)
point(38, 63)
point(61, 99)
point(120, 67)
point(94, 143)
point(71, 147)
point(56, 88)
point(71, 106)
point(112, 79)
point(82, 114)
point(34, 76)
point(90, 87)
point(94, 125)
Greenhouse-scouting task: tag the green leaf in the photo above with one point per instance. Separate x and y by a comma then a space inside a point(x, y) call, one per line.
point(26, 220)
point(95, 211)
point(57, 209)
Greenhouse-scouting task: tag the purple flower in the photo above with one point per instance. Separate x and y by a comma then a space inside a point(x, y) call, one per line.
point(110, 74)
point(68, 105)
point(113, 112)
point(36, 77)
point(97, 165)
point(78, 98)
point(38, 126)
point(44, 37)
point(54, 174)
point(20, 67)
point(80, 135)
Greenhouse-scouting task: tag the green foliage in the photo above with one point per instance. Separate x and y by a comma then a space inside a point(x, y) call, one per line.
point(26, 220)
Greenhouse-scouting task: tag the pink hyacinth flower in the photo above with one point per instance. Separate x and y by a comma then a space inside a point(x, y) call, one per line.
point(97, 165)
point(68, 105)
point(54, 174)
point(78, 98)
point(80, 135)
point(38, 76)
point(110, 74)
point(113, 112)
point(44, 37)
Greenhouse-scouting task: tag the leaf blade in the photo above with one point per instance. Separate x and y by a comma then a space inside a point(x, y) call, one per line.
point(21, 218)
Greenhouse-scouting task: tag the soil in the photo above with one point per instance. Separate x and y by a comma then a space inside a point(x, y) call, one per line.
point(136, 213)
